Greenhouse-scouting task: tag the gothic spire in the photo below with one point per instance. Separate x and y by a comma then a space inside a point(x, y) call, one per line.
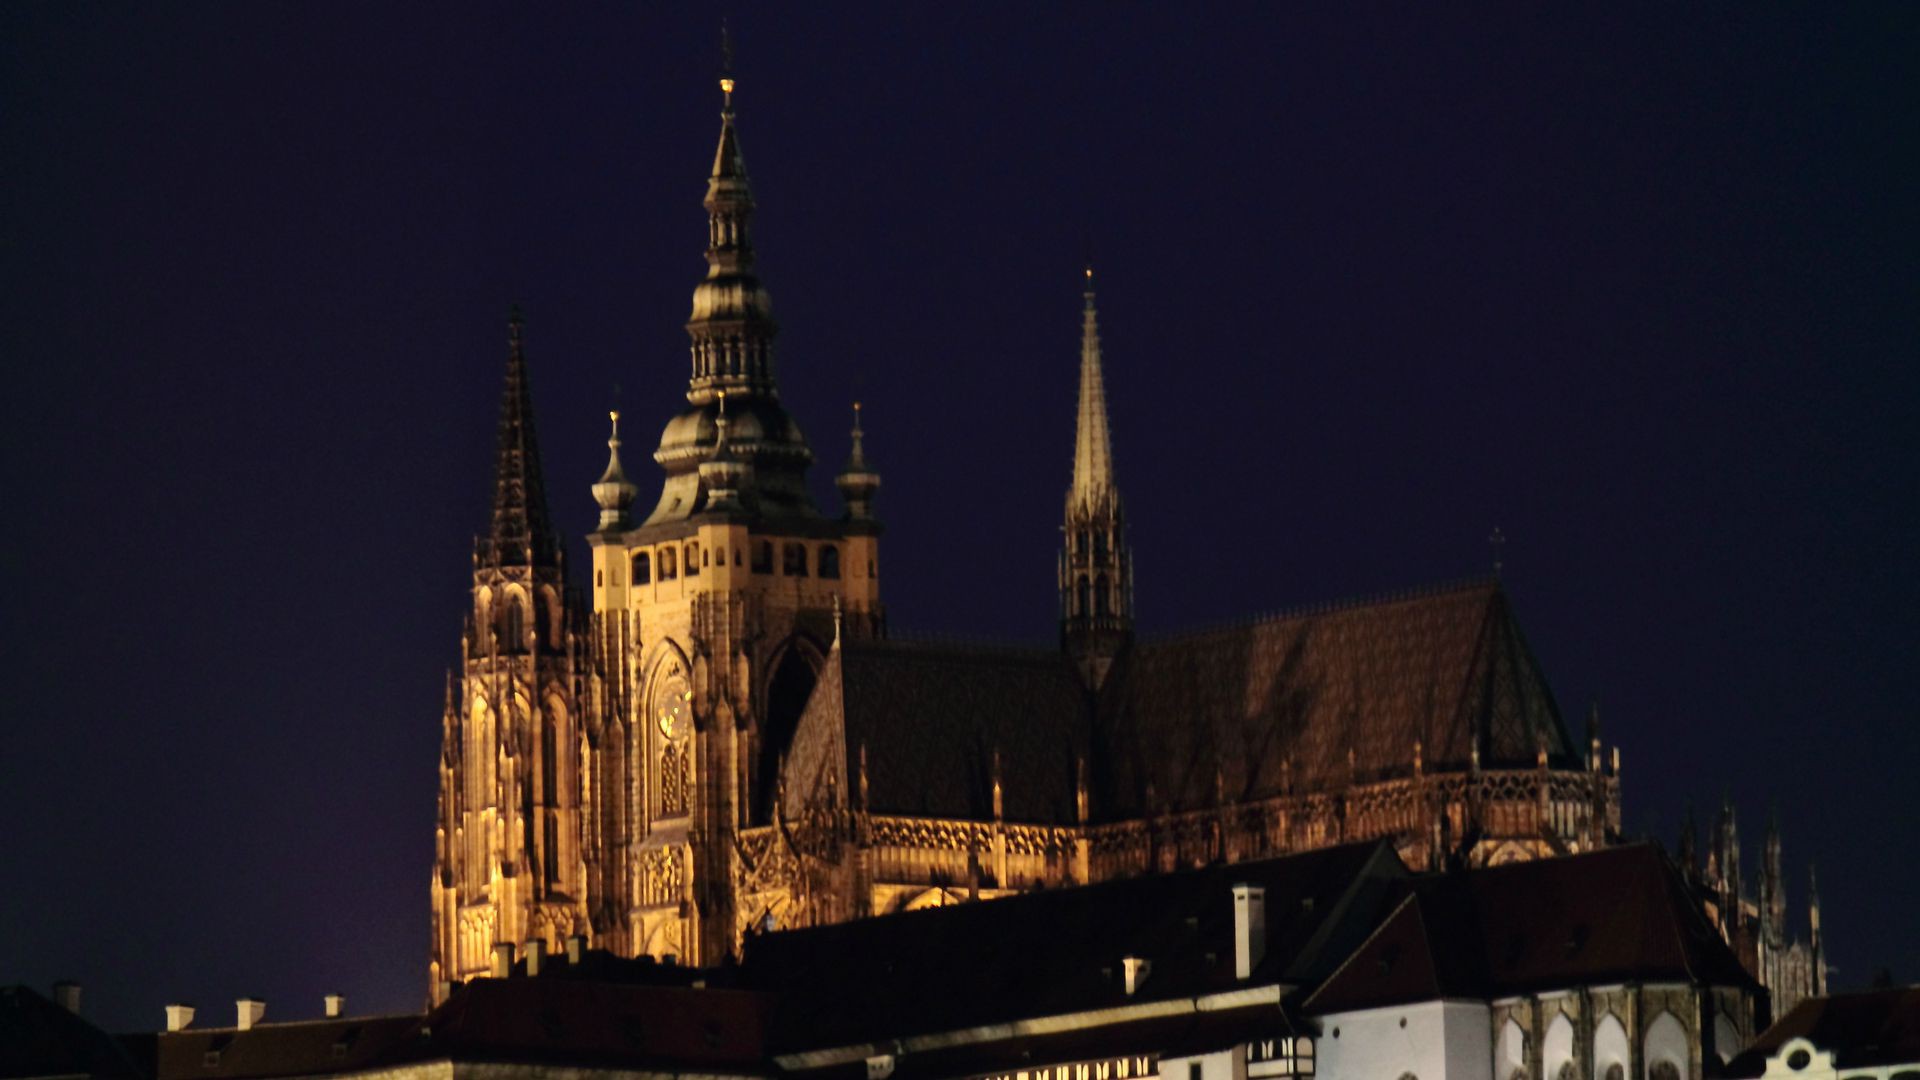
point(1093, 491)
point(732, 323)
point(521, 533)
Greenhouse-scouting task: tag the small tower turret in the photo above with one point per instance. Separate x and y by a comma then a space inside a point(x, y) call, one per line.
point(1096, 568)
point(858, 482)
point(614, 492)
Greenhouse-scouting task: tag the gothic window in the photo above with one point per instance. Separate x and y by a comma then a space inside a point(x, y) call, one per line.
point(667, 572)
point(552, 861)
point(1080, 542)
point(1083, 592)
point(787, 695)
point(673, 781)
point(763, 557)
point(693, 559)
point(830, 562)
point(549, 765)
point(1100, 545)
point(793, 560)
point(642, 567)
point(516, 624)
point(1102, 606)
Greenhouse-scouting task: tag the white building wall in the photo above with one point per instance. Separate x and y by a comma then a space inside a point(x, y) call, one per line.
point(1224, 1065)
point(1429, 1040)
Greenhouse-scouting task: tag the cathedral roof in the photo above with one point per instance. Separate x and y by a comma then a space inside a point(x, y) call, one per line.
point(1285, 700)
point(1615, 915)
point(932, 717)
point(1255, 709)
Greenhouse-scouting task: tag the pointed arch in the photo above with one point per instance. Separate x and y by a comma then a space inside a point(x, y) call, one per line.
point(792, 672)
point(1510, 1053)
point(1726, 1038)
point(1665, 1049)
point(1556, 1053)
point(1610, 1047)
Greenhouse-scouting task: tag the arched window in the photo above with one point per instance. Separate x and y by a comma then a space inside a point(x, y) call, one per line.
point(1556, 1054)
point(736, 556)
point(830, 562)
point(1102, 606)
point(642, 568)
point(1610, 1048)
point(667, 572)
point(516, 624)
point(1084, 594)
point(549, 765)
point(763, 557)
point(793, 560)
point(693, 559)
point(1665, 1048)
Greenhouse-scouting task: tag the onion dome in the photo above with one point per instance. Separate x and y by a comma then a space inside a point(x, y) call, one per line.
point(613, 491)
point(858, 482)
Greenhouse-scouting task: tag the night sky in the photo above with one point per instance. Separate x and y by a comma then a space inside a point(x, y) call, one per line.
point(1636, 286)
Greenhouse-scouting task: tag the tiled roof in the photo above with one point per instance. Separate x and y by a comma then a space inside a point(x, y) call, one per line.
point(1878, 1027)
point(932, 718)
point(1253, 708)
point(1286, 699)
point(1620, 914)
point(303, 1048)
point(1057, 952)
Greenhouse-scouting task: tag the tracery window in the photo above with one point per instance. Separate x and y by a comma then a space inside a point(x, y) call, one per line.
point(793, 560)
point(830, 562)
point(673, 781)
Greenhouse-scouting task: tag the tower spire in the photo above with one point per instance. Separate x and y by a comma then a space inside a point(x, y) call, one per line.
point(1096, 568)
point(614, 492)
point(1093, 491)
point(521, 532)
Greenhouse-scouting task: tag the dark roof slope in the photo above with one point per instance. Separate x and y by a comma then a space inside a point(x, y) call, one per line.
point(932, 718)
point(1287, 699)
point(40, 1038)
point(1879, 1027)
point(304, 1048)
point(1049, 953)
point(1607, 916)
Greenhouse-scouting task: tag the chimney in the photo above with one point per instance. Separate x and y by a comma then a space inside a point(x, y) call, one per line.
point(67, 996)
point(536, 952)
point(250, 1011)
point(502, 959)
point(576, 947)
point(1134, 970)
point(178, 1017)
point(1249, 929)
point(336, 1005)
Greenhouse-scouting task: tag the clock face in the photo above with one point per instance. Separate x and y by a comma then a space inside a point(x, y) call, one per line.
point(674, 708)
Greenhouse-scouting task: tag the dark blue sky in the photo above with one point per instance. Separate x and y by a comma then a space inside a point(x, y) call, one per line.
point(1636, 285)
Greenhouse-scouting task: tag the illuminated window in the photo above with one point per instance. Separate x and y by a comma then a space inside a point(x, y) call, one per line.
point(830, 562)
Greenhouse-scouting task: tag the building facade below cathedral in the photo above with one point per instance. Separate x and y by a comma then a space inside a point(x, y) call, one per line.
point(721, 739)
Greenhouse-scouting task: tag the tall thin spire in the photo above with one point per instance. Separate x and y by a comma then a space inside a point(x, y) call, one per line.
point(732, 323)
point(521, 532)
point(1096, 568)
point(1093, 491)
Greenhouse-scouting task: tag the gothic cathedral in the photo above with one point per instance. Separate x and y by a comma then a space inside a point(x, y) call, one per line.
point(728, 743)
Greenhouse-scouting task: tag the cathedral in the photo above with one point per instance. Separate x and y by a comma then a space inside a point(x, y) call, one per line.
point(712, 736)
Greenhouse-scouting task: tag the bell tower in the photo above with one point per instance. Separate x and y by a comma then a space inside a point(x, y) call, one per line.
point(1096, 567)
point(712, 616)
point(508, 866)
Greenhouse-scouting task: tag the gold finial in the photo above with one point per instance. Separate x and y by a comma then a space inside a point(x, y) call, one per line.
point(726, 63)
